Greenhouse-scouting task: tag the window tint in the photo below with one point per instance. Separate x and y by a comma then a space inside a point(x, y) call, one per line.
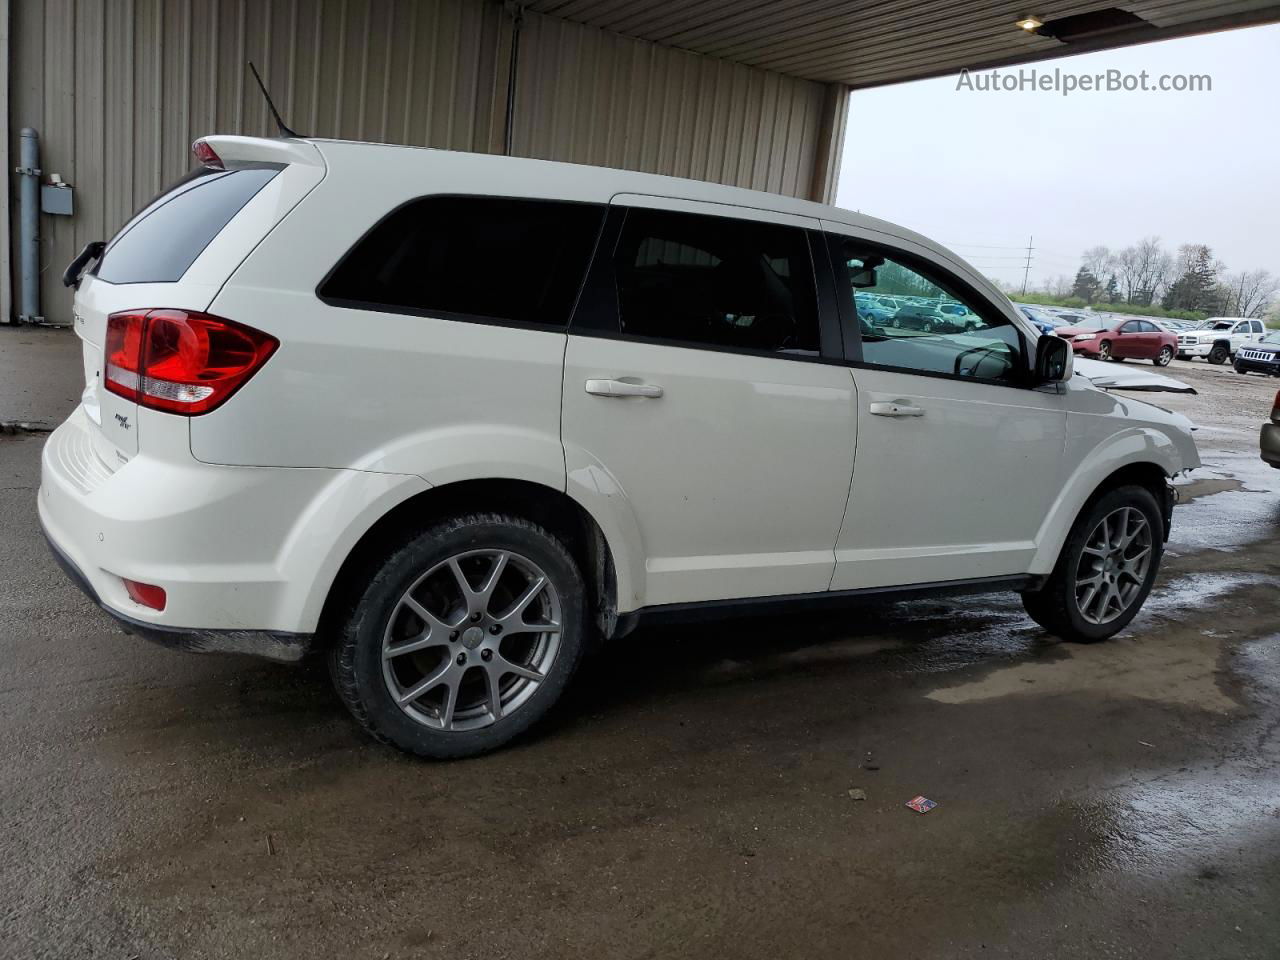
point(717, 282)
point(159, 244)
point(485, 257)
point(977, 342)
point(1133, 326)
point(1257, 326)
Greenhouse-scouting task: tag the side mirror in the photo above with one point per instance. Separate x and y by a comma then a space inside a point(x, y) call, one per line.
point(1053, 359)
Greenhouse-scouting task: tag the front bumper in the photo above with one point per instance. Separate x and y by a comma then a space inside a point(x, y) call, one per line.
point(1249, 365)
point(1269, 442)
point(1088, 348)
point(1194, 349)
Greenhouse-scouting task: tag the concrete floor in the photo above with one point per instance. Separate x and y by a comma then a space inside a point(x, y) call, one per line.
point(691, 799)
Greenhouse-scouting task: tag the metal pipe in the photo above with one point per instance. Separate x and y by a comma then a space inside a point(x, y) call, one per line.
point(517, 21)
point(29, 226)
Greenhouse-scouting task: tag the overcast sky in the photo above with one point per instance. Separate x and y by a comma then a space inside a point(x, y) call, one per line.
point(981, 171)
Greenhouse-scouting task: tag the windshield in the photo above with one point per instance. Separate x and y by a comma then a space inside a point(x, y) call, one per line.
point(1272, 337)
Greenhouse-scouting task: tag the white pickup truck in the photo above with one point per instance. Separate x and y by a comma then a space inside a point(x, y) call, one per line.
point(1218, 338)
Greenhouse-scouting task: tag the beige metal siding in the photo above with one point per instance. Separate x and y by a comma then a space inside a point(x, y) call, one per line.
point(118, 89)
point(590, 96)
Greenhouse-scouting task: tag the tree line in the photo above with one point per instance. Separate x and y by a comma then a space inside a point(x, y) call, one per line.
point(1191, 280)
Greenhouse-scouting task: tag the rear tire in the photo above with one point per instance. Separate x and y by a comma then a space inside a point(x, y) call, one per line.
point(1219, 354)
point(463, 638)
point(1120, 581)
point(1164, 358)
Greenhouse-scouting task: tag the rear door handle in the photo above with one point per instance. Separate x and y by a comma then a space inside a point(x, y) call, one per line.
point(895, 408)
point(623, 388)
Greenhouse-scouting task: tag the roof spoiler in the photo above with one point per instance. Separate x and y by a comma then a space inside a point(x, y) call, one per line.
point(230, 151)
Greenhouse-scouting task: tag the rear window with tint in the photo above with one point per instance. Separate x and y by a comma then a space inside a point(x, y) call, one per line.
point(161, 242)
point(485, 258)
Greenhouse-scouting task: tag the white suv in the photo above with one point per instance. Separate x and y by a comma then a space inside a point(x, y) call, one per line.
point(452, 419)
point(1218, 338)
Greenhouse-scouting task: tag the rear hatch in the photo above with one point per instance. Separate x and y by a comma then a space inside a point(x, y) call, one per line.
point(176, 253)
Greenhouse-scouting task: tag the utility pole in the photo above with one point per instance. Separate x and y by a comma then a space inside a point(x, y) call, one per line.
point(1027, 269)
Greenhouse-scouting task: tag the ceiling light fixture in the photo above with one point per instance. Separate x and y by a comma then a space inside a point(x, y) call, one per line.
point(1030, 24)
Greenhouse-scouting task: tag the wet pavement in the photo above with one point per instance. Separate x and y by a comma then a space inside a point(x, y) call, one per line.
point(691, 798)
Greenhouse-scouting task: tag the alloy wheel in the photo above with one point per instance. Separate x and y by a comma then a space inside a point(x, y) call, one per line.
point(471, 640)
point(1166, 357)
point(1104, 350)
point(1113, 566)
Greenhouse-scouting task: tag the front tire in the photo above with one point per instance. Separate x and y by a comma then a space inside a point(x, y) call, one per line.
point(1104, 350)
point(1219, 354)
point(1164, 358)
point(463, 638)
point(1106, 568)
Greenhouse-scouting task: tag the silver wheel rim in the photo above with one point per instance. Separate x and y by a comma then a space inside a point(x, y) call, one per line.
point(1166, 355)
point(1113, 566)
point(1105, 351)
point(471, 640)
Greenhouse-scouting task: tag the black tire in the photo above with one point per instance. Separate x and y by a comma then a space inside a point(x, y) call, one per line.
point(1165, 357)
point(1241, 370)
point(1219, 354)
point(1054, 605)
point(1185, 356)
point(355, 660)
point(1104, 350)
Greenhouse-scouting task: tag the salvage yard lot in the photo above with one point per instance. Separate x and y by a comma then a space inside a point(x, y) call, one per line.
point(691, 798)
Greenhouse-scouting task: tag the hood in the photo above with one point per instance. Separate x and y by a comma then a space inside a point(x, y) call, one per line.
point(1076, 331)
point(1113, 376)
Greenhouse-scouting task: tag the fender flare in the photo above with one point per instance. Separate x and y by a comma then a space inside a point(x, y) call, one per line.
point(1136, 446)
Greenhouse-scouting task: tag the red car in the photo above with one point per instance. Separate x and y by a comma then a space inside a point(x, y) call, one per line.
point(1106, 338)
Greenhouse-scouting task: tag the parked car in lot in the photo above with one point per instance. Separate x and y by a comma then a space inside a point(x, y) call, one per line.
point(1109, 338)
point(1260, 357)
point(927, 318)
point(1269, 441)
point(1219, 338)
point(873, 311)
point(1045, 322)
point(452, 419)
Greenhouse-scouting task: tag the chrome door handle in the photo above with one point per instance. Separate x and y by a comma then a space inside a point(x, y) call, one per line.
point(623, 388)
point(895, 408)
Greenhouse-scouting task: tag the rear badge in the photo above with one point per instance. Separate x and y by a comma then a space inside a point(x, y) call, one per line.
point(122, 420)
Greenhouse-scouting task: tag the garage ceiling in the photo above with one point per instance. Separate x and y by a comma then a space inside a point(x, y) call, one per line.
point(866, 43)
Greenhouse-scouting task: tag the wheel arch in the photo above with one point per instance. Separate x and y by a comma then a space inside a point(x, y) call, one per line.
point(1131, 459)
point(550, 508)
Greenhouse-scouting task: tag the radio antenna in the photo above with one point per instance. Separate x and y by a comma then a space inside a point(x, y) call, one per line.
point(280, 124)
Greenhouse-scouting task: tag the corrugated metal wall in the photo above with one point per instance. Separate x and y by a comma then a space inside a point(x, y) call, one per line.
point(118, 89)
point(595, 97)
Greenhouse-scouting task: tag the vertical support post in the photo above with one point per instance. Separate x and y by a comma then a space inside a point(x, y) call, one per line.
point(29, 226)
point(829, 147)
point(517, 21)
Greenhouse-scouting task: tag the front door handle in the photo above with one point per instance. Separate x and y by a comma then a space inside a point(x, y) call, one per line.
point(623, 388)
point(895, 408)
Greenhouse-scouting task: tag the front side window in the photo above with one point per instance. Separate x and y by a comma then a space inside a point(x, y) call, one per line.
point(920, 336)
point(716, 282)
point(485, 258)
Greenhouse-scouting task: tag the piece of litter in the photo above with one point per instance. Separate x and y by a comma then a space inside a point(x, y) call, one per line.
point(1145, 744)
point(856, 794)
point(271, 846)
point(921, 804)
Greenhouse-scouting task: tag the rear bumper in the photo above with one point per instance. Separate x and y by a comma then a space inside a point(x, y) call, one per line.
point(1269, 442)
point(246, 555)
point(282, 647)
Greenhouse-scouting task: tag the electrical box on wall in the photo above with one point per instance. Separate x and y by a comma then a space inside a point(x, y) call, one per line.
point(57, 197)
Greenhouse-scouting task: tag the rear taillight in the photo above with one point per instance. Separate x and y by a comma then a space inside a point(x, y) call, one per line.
point(180, 361)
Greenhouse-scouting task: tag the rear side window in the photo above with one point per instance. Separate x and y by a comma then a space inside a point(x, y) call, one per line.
point(716, 282)
point(471, 258)
point(161, 242)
